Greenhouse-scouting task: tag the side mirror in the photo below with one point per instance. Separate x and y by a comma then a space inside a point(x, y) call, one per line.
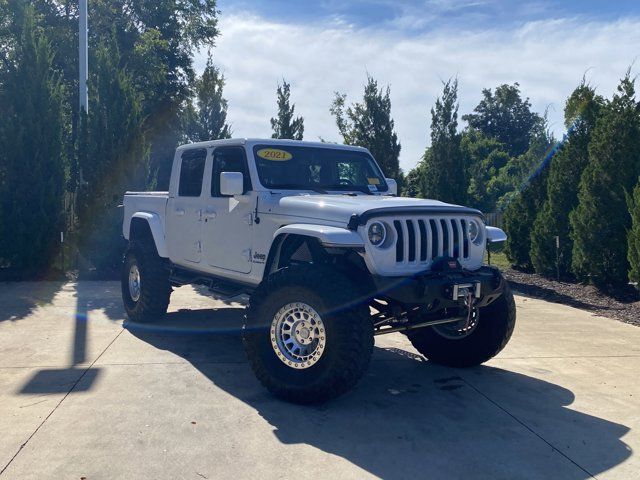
point(495, 235)
point(231, 183)
point(393, 186)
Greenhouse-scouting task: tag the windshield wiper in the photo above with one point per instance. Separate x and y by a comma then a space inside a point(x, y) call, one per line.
point(291, 186)
point(317, 190)
point(359, 189)
point(342, 188)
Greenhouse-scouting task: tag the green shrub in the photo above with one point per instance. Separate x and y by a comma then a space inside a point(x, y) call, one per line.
point(581, 112)
point(601, 220)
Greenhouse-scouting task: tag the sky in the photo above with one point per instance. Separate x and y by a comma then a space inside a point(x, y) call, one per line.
point(413, 46)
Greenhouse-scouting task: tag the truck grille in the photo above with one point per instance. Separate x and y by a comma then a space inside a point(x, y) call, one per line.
point(421, 240)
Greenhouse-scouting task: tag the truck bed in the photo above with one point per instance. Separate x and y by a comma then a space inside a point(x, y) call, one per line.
point(148, 202)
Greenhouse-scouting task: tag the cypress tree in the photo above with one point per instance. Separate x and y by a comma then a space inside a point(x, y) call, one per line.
point(633, 253)
point(444, 176)
point(581, 112)
point(114, 159)
point(285, 125)
point(32, 152)
point(601, 220)
point(212, 106)
point(369, 124)
point(519, 217)
point(207, 119)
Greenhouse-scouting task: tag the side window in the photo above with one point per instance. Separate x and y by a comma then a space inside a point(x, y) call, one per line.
point(229, 159)
point(191, 172)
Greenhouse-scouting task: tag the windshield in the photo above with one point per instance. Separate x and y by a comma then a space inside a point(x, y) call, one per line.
point(318, 169)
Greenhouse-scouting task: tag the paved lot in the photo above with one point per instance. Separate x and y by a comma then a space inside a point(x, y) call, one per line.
point(83, 397)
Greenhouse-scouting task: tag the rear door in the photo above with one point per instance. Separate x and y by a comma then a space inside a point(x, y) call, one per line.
point(228, 224)
point(184, 210)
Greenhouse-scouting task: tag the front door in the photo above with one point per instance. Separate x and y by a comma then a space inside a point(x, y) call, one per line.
point(184, 210)
point(228, 223)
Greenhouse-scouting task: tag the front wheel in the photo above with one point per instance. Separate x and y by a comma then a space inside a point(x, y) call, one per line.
point(145, 284)
point(305, 338)
point(472, 344)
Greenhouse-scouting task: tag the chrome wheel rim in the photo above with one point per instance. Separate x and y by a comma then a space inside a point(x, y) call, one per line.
point(298, 335)
point(134, 282)
point(458, 330)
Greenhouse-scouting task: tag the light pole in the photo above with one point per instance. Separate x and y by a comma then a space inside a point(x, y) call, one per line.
point(84, 62)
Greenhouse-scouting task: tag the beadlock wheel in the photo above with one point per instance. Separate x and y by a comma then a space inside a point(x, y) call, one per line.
point(298, 335)
point(306, 340)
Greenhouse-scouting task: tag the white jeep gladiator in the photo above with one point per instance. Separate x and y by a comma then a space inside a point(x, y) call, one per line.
point(328, 254)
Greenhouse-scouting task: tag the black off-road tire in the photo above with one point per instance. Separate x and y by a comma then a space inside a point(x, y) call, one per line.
point(155, 288)
point(495, 326)
point(349, 334)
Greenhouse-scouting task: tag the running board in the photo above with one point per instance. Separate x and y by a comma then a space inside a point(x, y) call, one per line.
point(222, 287)
point(225, 289)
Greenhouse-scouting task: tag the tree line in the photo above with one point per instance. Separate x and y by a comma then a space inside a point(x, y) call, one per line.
point(144, 98)
point(579, 216)
point(571, 208)
point(62, 169)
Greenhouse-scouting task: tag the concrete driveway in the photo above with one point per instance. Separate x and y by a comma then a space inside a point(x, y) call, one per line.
point(83, 397)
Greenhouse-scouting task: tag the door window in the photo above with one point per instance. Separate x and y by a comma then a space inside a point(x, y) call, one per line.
point(229, 159)
point(191, 172)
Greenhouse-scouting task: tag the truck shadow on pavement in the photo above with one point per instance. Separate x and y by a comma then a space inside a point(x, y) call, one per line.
point(409, 418)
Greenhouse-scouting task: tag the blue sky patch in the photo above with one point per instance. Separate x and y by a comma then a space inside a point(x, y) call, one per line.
point(426, 15)
point(413, 46)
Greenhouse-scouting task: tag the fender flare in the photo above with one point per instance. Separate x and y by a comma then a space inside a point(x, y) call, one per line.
point(155, 225)
point(328, 236)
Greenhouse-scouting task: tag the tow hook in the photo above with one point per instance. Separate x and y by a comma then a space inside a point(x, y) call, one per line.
point(469, 293)
point(469, 301)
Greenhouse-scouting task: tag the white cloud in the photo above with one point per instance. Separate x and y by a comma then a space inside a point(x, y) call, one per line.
point(548, 59)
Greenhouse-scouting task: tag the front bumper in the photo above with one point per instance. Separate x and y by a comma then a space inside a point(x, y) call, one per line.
point(435, 289)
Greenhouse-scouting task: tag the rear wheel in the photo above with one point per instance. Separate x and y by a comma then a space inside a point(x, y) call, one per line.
point(145, 283)
point(465, 344)
point(306, 340)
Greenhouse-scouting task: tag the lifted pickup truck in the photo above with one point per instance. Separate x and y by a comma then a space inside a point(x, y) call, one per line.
point(328, 254)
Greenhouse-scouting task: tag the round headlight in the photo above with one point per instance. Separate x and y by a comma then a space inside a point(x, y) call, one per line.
point(377, 233)
point(475, 232)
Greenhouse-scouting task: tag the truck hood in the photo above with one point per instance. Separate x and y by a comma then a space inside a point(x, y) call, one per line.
point(342, 207)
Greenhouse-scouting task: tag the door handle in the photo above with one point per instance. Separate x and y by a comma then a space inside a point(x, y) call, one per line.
point(180, 211)
point(210, 214)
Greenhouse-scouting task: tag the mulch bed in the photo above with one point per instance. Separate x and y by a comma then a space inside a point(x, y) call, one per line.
point(624, 306)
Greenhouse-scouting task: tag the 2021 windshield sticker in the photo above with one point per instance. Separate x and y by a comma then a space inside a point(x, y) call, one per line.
point(274, 154)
